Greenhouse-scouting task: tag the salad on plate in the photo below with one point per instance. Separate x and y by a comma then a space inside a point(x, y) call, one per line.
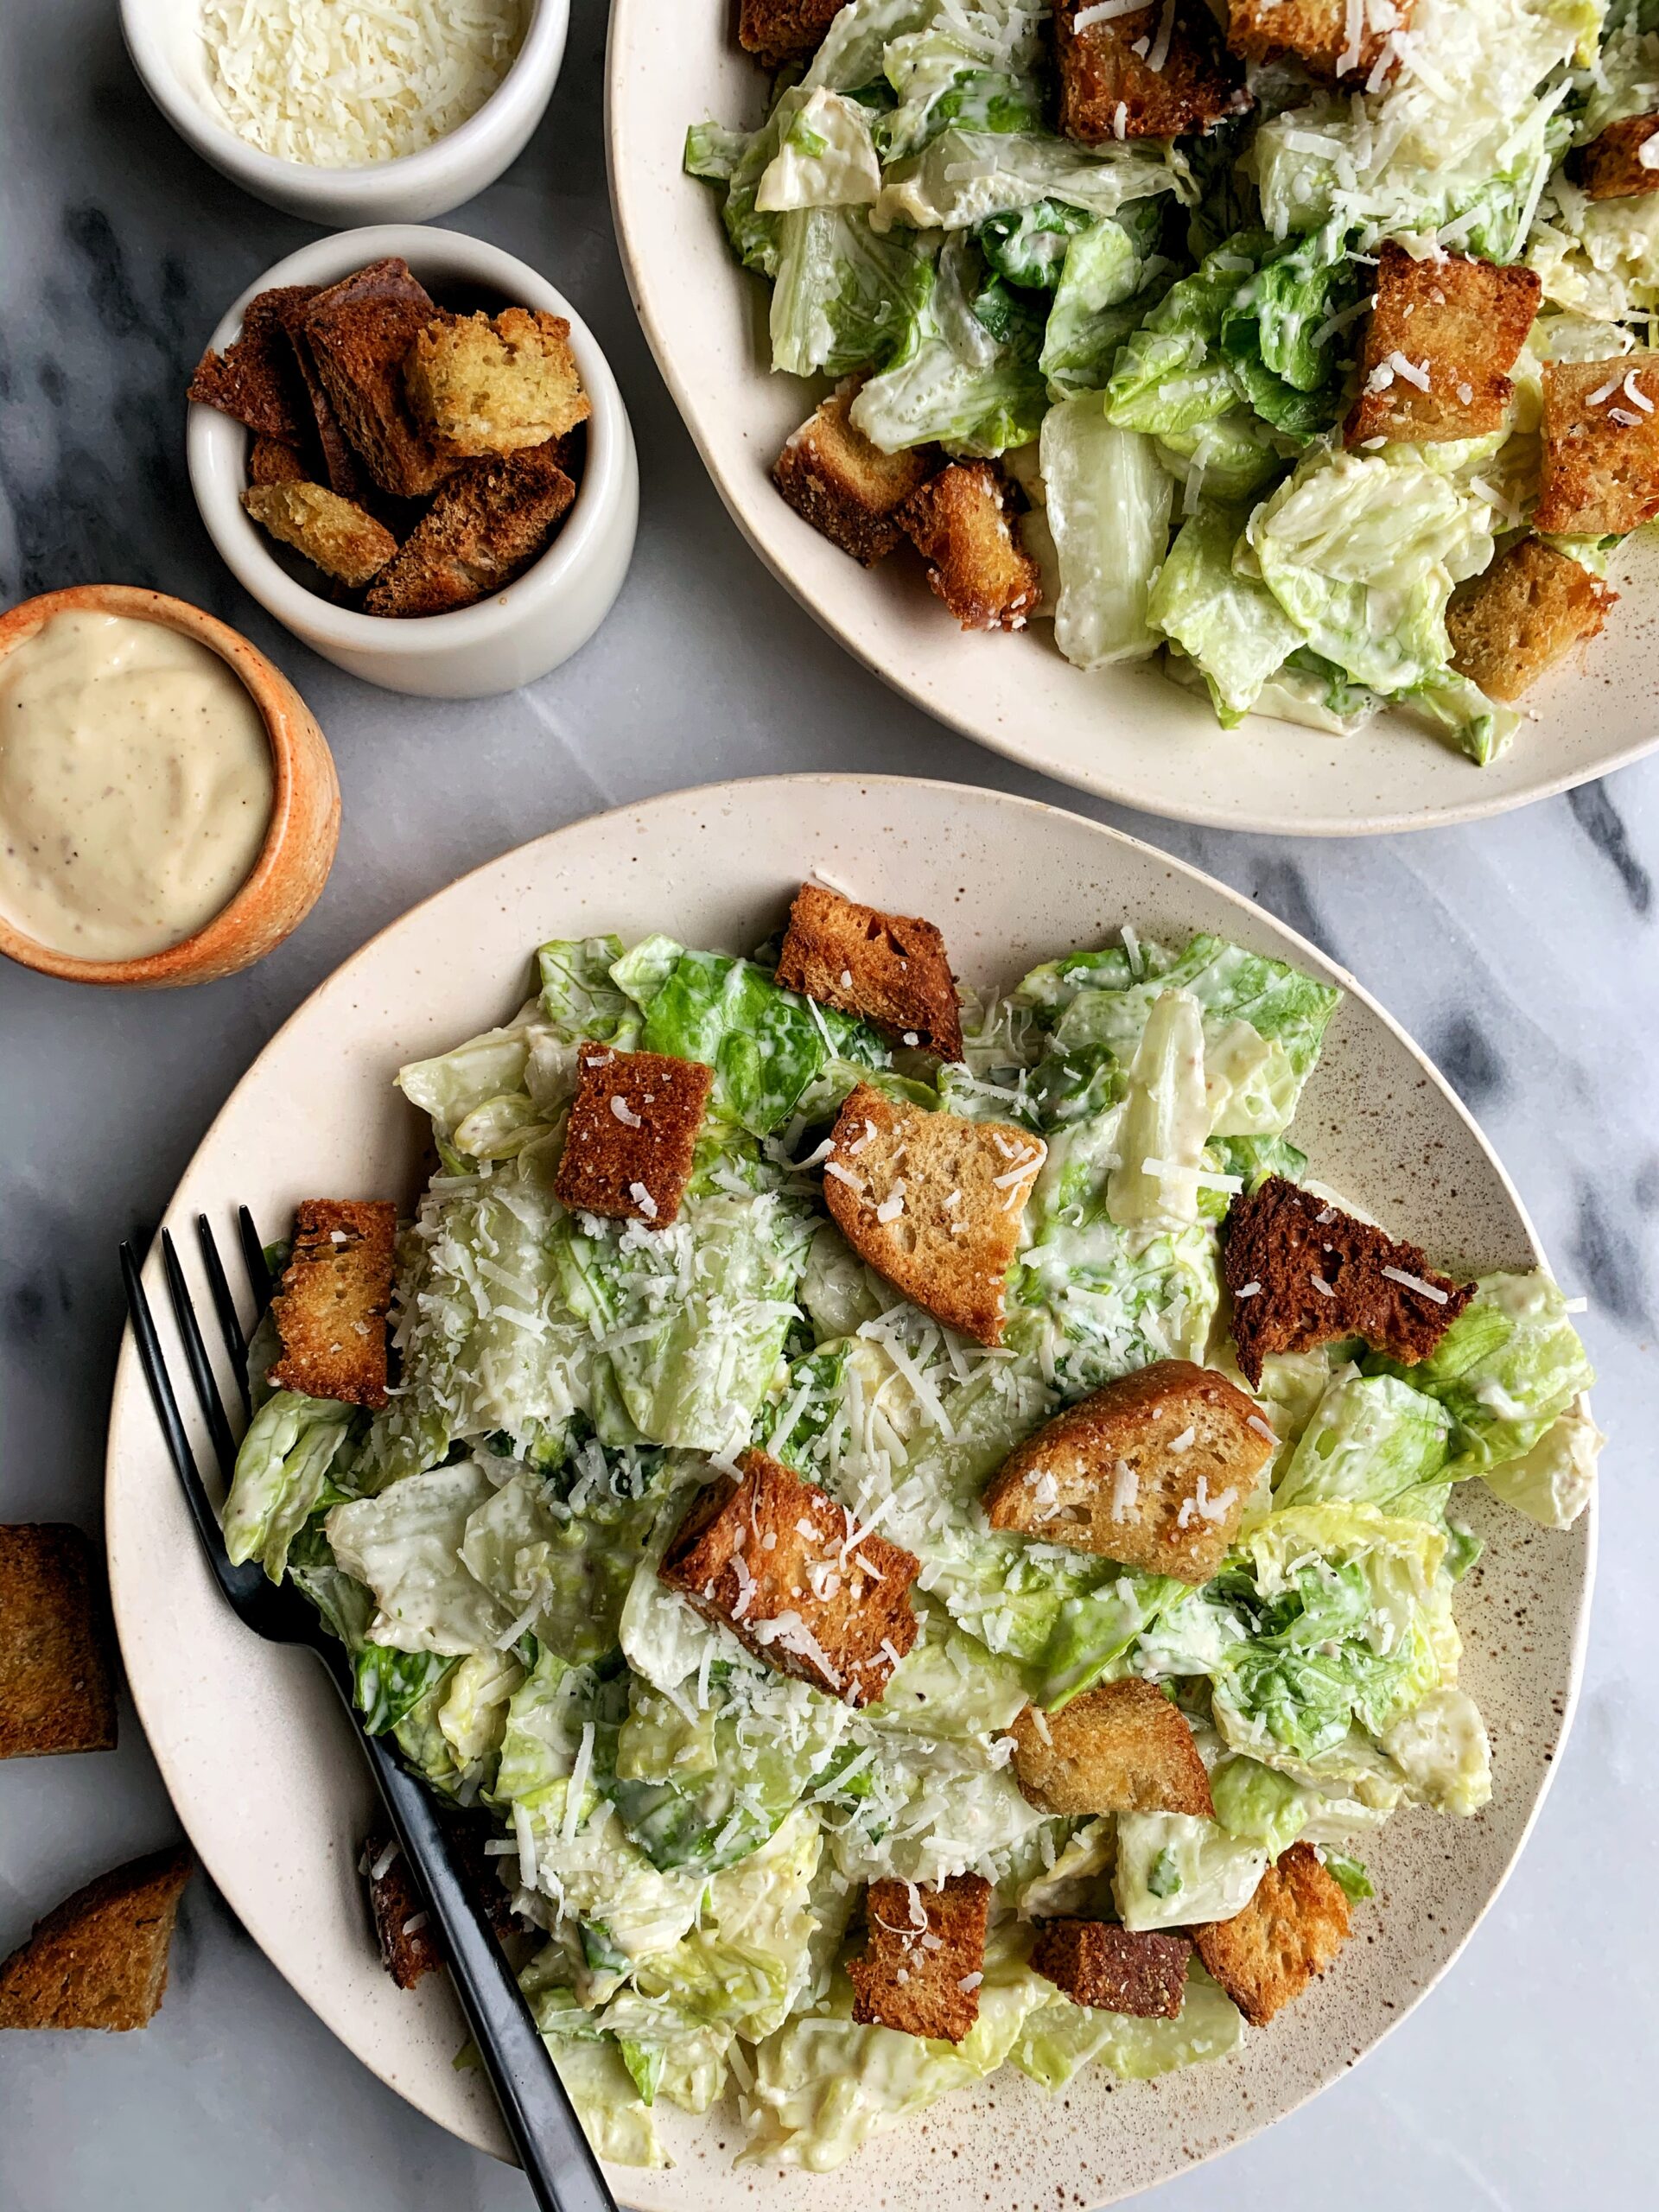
point(913, 1531)
point(1302, 344)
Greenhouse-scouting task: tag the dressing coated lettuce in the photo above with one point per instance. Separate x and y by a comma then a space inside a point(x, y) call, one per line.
point(281, 1472)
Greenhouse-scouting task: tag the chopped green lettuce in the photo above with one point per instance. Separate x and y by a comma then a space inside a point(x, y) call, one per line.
point(281, 1471)
point(1060, 2037)
point(1506, 1371)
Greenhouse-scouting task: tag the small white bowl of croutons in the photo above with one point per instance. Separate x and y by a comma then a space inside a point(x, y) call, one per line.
point(408, 446)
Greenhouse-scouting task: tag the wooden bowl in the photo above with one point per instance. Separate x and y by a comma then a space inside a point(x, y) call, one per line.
point(298, 851)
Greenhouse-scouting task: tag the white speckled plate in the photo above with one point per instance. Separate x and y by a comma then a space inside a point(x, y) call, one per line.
point(259, 1760)
point(1126, 733)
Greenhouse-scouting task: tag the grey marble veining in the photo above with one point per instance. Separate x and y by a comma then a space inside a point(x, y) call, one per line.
point(1522, 953)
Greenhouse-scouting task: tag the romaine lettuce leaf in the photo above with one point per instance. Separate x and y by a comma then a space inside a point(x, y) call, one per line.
point(1060, 2037)
point(826, 158)
point(1230, 625)
point(1553, 1482)
point(823, 2085)
point(967, 373)
point(1506, 1370)
point(1370, 1438)
point(1442, 1749)
point(1174, 1869)
point(1108, 507)
point(405, 1545)
point(282, 1468)
point(1362, 551)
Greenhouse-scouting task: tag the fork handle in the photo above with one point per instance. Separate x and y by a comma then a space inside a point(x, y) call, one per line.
point(561, 2171)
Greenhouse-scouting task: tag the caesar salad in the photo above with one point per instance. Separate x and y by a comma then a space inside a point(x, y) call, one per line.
point(1303, 344)
point(913, 1532)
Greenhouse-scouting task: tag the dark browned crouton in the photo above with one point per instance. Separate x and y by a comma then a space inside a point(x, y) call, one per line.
point(1302, 1274)
point(932, 1201)
point(331, 1310)
point(57, 1688)
point(483, 385)
point(847, 489)
point(1122, 1748)
point(1320, 34)
point(1442, 338)
point(99, 1960)
point(1531, 607)
point(776, 1561)
point(784, 30)
point(345, 473)
point(1617, 164)
point(358, 333)
point(1108, 1967)
point(269, 462)
point(408, 1941)
point(631, 1136)
point(890, 969)
point(1152, 75)
point(924, 1959)
point(256, 378)
point(1154, 1469)
point(1290, 1930)
point(485, 527)
point(961, 523)
point(1601, 446)
point(332, 532)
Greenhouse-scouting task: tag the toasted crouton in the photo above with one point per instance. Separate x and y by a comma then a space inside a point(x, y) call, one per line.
point(479, 385)
point(1531, 607)
point(776, 1561)
point(331, 1310)
point(784, 30)
point(961, 522)
point(847, 489)
point(1600, 472)
point(932, 1201)
point(631, 1136)
point(269, 462)
point(890, 969)
point(1442, 338)
point(1121, 1748)
point(100, 1959)
point(256, 378)
point(57, 1690)
point(1290, 1930)
point(1154, 1471)
point(1322, 36)
point(485, 527)
point(1302, 1274)
point(403, 1927)
point(336, 535)
point(1145, 75)
point(924, 1959)
point(1113, 1970)
point(358, 333)
point(1621, 161)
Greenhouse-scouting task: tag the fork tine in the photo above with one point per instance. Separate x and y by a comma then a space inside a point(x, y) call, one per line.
point(150, 1359)
point(195, 1358)
point(230, 1326)
point(253, 1259)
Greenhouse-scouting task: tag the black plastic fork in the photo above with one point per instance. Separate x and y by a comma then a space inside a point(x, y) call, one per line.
point(563, 2172)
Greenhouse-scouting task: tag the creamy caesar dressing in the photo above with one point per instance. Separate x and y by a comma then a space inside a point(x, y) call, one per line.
point(135, 786)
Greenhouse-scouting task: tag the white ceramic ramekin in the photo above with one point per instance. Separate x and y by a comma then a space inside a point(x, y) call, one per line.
point(164, 39)
point(523, 631)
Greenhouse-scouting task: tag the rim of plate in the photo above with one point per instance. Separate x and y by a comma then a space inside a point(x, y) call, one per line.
point(638, 217)
point(317, 1978)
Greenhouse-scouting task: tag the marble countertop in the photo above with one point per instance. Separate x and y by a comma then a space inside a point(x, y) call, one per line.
point(1522, 953)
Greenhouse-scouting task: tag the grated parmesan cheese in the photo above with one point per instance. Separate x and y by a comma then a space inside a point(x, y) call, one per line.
point(340, 85)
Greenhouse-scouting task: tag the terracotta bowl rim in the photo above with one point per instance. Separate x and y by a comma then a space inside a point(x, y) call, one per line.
point(276, 701)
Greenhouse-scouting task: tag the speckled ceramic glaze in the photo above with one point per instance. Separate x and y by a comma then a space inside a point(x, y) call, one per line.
point(1124, 732)
point(259, 1760)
